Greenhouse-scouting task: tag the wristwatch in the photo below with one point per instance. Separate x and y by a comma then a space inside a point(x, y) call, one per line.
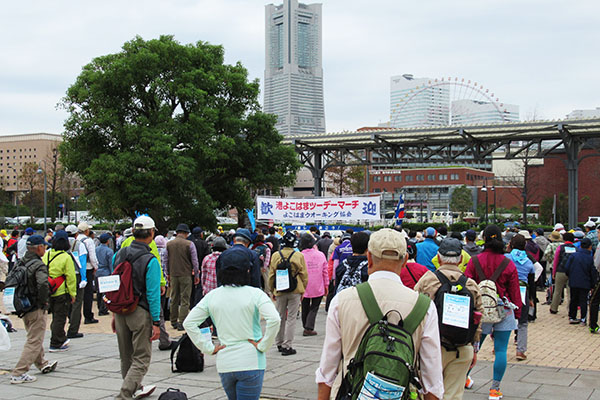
point(156, 323)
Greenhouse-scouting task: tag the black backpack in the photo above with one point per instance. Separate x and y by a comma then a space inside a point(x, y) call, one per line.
point(17, 282)
point(453, 336)
point(286, 264)
point(173, 394)
point(188, 358)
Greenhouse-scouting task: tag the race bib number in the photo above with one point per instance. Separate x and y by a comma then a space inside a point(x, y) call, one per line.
point(9, 299)
point(569, 250)
point(376, 388)
point(456, 310)
point(282, 281)
point(109, 283)
point(523, 293)
point(206, 334)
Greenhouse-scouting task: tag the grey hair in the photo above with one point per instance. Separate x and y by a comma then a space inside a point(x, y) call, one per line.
point(453, 260)
point(239, 239)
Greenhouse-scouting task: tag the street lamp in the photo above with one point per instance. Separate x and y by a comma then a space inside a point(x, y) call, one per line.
point(39, 171)
point(494, 190)
point(484, 189)
point(16, 192)
point(75, 198)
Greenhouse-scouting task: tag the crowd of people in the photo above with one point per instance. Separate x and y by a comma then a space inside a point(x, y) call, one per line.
point(229, 281)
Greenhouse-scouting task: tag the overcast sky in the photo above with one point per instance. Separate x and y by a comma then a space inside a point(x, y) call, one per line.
point(542, 55)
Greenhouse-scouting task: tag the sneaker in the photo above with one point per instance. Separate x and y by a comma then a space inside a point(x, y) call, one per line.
point(91, 321)
point(553, 312)
point(288, 352)
point(495, 394)
point(573, 321)
point(594, 330)
point(308, 333)
point(77, 335)
point(521, 356)
point(166, 347)
point(279, 348)
point(25, 378)
point(64, 347)
point(469, 382)
point(145, 391)
point(582, 322)
point(50, 367)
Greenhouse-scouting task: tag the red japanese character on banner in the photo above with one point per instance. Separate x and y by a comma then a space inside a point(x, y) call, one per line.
point(341, 204)
point(354, 204)
point(292, 205)
point(305, 205)
point(326, 204)
point(312, 205)
point(278, 205)
point(285, 206)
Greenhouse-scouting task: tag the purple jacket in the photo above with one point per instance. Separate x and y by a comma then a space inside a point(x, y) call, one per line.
point(318, 279)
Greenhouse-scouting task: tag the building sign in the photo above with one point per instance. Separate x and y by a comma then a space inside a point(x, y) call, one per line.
point(336, 209)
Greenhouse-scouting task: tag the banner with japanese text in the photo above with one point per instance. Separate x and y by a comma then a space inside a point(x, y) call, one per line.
point(321, 209)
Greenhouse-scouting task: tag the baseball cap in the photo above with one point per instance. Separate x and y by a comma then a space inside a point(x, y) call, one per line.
point(104, 238)
point(243, 232)
point(36, 240)
point(219, 243)
point(235, 259)
point(29, 231)
point(83, 226)
point(578, 234)
point(60, 235)
point(450, 247)
point(346, 236)
point(471, 235)
point(590, 224)
point(128, 232)
point(182, 228)
point(143, 222)
point(387, 240)
point(71, 229)
point(430, 232)
point(197, 230)
point(559, 227)
point(585, 243)
point(3, 233)
point(539, 231)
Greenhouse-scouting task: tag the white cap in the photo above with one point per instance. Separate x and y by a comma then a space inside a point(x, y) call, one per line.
point(559, 227)
point(590, 224)
point(71, 229)
point(83, 226)
point(143, 222)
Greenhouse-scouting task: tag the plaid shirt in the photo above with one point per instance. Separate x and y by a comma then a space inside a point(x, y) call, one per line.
point(209, 272)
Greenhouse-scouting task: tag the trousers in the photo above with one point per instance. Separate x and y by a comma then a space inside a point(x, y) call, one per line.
point(578, 299)
point(454, 371)
point(59, 306)
point(560, 282)
point(75, 310)
point(310, 308)
point(33, 350)
point(88, 295)
point(287, 305)
point(594, 305)
point(181, 289)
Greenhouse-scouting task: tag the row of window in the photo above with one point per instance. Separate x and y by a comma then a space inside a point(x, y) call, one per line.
point(15, 150)
point(20, 157)
point(418, 177)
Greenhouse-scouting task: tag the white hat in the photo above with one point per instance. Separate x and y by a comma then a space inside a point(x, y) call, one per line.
point(71, 229)
point(525, 233)
point(559, 227)
point(83, 226)
point(143, 222)
point(590, 224)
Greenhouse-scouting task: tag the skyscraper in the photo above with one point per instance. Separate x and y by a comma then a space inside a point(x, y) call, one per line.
point(293, 67)
point(413, 103)
point(468, 111)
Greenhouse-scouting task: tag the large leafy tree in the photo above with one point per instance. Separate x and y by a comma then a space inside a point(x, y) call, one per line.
point(461, 200)
point(171, 130)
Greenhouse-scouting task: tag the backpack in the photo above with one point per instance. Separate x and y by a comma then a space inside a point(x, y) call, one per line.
point(386, 351)
point(188, 358)
point(17, 285)
point(454, 336)
point(285, 264)
point(54, 283)
point(125, 300)
point(352, 276)
point(173, 394)
point(493, 309)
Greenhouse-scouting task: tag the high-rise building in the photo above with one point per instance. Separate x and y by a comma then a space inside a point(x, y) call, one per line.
point(415, 103)
point(466, 111)
point(593, 113)
point(293, 67)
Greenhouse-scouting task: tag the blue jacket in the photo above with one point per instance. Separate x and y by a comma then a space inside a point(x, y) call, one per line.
point(580, 270)
point(426, 250)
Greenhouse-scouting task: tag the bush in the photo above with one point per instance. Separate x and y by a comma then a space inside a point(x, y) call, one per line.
point(459, 227)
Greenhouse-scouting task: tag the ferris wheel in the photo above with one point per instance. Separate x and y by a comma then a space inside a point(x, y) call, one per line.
point(448, 101)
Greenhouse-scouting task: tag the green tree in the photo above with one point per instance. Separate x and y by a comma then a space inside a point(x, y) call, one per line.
point(170, 130)
point(461, 200)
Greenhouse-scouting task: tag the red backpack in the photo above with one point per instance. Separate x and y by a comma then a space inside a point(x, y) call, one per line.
point(124, 300)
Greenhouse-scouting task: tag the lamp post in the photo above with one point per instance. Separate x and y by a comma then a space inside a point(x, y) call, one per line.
point(75, 198)
point(16, 192)
point(494, 190)
point(39, 171)
point(484, 189)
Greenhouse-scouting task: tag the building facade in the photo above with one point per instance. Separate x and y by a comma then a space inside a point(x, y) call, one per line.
point(466, 111)
point(415, 104)
point(593, 113)
point(293, 88)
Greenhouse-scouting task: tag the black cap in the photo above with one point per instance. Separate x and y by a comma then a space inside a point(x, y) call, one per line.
point(289, 239)
point(36, 240)
point(197, 230)
point(471, 235)
point(235, 259)
point(450, 247)
point(182, 228)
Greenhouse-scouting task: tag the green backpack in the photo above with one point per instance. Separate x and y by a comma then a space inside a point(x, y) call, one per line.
point(386, 350)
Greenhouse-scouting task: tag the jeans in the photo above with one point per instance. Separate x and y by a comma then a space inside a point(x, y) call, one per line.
point(243, 385)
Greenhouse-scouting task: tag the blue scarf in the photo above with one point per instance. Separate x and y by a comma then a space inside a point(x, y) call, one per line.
point(519, 255)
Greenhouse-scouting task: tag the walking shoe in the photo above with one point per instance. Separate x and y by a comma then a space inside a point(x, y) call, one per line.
point(495, 394)
point(469, 382)
point(279, 348)
point(50, 367)
point(308, 332)
point(75, 335)
point(103, 313)
point(582, 322)
point(521, 356)
point(553, 312)
point(573, 321)
point(64, 347)
point(166, 347)
point(91, 321)
point(180, 327)
point(25, 378)
point(593, 330)
point(145, 391)
point(288, 352)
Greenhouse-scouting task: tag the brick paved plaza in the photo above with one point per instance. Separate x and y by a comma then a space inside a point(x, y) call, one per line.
point(563, 363)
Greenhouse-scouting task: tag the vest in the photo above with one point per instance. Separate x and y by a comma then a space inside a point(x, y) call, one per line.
point(180, 261)
point(390, 295)
point(139, 252)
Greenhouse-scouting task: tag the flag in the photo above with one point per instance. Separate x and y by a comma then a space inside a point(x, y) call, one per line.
point(251, 218)
point(399, 214)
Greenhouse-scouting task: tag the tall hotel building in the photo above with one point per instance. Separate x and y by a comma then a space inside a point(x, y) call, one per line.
point(293, 67)
point(413, 106)
point(468, 111)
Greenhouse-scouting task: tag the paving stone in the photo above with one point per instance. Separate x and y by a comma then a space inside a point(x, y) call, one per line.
point(74, 392)
point(545, 392)
point(551, 378)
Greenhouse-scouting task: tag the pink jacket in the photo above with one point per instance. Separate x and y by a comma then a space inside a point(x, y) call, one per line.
point(318, 278)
